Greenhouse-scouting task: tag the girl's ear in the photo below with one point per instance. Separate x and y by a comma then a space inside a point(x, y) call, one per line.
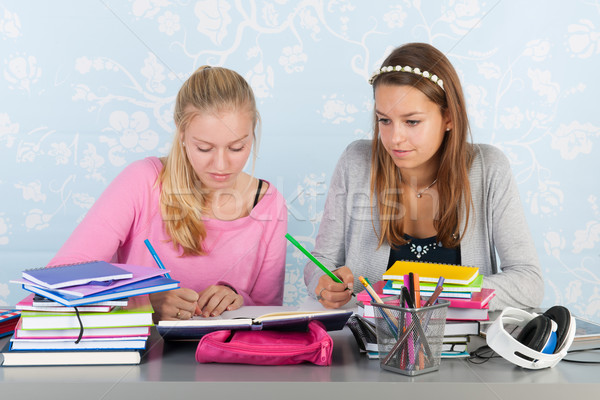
point(448, 121)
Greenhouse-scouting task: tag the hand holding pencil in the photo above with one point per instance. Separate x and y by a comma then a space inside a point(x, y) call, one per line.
point(334, 294)
point(335, 288)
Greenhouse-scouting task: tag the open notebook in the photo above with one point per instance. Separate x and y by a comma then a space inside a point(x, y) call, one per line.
point(254, 318)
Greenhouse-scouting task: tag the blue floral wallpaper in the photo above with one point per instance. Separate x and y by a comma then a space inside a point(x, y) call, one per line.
point(88, 87)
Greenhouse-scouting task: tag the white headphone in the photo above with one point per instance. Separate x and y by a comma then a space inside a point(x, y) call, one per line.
point(542, 342)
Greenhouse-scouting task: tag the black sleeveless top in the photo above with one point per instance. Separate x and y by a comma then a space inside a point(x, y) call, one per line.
point(260, 183)
point(428, 249)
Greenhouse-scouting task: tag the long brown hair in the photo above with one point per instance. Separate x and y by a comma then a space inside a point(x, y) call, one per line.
point(455, 152)
point(182, 197)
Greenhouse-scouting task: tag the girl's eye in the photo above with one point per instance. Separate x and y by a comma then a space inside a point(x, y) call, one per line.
point(236, 149)
point(203, 150)
point(383, 121)
point(411, 122)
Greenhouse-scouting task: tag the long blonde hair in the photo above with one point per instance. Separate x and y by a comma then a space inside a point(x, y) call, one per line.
point(455, 152)
point(183, 200)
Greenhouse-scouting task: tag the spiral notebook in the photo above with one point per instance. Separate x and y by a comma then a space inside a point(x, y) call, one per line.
point(76, 274)
point(430, 272)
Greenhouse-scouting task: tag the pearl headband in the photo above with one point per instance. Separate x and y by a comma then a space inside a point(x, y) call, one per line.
point(416, 71)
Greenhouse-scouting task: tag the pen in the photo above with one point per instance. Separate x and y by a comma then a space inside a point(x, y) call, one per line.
point(416, 287)
point(431, 301)
point(313, 259)
point(160, 264)
point(406, 282)
point(409, 291)
point(407, 298)
point(438, 290)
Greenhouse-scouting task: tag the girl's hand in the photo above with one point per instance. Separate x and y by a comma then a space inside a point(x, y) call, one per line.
point(333, 294)
point(174, 304)
point(215, 299)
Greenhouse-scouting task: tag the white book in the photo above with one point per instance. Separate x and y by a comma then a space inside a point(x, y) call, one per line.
point(88, 357)
point(52, 345)
point(454, 328)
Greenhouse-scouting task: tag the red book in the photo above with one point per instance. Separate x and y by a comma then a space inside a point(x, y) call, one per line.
point(8, 327)
point(8, 320)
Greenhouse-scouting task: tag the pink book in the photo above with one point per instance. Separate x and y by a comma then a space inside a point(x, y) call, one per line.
point(364, 297)
point(27, 305)
point(477, 300)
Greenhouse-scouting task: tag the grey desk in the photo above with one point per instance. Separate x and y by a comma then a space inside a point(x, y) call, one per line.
point(169, 371)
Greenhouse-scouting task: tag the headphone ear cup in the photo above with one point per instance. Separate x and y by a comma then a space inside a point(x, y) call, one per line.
point(536, 333)
point(562, 316)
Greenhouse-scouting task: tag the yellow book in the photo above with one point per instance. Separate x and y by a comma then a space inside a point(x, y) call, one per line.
point(431, 272)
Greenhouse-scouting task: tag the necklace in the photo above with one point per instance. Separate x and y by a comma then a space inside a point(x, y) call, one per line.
point(419, 194)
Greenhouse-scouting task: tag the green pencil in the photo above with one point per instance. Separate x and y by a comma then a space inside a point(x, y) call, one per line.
point(313, 259)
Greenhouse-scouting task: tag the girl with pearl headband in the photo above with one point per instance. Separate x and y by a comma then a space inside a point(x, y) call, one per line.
point(421, 191)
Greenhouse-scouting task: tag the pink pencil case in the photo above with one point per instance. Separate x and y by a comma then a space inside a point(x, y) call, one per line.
point(267, 347)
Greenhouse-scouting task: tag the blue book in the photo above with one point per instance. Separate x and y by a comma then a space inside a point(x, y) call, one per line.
point(151, 285)
point(75, 274)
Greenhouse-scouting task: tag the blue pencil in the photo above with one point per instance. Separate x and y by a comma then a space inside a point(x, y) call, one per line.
point(160, 264)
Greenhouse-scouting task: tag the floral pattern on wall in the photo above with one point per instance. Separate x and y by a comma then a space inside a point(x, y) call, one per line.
point(88, 87)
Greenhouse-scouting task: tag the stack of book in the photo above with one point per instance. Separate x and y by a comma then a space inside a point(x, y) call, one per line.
point(85, 314)
point(462, 288)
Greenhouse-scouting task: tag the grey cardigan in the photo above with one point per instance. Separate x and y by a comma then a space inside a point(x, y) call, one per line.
point(497, 225)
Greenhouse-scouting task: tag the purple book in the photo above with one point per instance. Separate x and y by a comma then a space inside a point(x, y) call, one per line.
point(137, 273)
point(75, 274)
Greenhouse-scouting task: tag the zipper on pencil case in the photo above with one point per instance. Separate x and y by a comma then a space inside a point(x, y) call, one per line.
point(274, 349)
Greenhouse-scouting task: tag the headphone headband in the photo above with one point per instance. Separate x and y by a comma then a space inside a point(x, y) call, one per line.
point(499, 340)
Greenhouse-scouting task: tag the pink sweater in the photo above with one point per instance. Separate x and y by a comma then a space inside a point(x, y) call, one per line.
point(247, 254)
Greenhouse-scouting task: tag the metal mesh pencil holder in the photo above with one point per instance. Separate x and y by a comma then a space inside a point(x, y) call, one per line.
point(409, 340)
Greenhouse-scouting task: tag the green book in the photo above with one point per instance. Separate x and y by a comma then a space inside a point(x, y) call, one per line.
point(474, 286)
point(137, 313)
